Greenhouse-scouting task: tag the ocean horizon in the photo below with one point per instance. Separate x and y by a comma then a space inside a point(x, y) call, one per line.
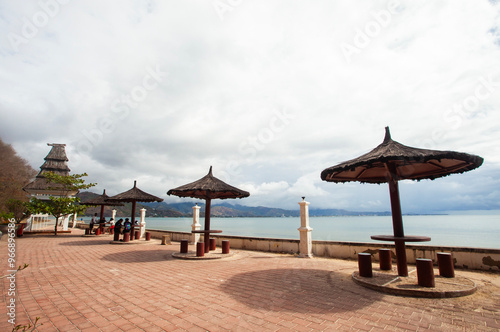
point(458, 230)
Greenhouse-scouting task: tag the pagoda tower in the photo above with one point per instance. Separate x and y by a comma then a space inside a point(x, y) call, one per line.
point(57, 162)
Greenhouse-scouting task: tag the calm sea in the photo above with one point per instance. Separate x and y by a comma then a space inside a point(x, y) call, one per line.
point(477, 231)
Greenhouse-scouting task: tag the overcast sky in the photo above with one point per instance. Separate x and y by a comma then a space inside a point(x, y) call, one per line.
point(269, 93)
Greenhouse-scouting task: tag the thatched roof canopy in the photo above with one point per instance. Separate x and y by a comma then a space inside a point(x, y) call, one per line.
point(55, 162)
point(409, 163)
point(101, 200)
point(134, 195)
point(208, 187)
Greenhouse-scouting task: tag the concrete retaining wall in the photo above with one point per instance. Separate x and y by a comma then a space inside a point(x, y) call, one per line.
point(467, 258)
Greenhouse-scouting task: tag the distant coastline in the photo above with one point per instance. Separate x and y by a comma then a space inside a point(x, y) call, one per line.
point(228, 210)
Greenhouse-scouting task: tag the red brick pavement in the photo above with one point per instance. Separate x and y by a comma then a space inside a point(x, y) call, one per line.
point(77, 283)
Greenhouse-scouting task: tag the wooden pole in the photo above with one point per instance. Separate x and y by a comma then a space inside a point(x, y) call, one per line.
point(133, 213)
point(397, 225)
point(102, 212)
point(206, 235)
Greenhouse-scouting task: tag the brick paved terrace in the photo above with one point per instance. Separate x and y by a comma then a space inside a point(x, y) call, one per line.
point(76, 283)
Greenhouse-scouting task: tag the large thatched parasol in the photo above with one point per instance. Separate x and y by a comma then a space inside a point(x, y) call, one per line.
point(208, 188)
point(133, 196)
point(101, 200)
point(392, 161)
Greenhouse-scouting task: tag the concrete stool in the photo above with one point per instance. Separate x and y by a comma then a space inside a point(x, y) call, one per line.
point(225, 246)
point(425, 272)
point(98, 231)
point(445, 263)
point(385, 259)
point(365, 264)
point(126, 237)
point(212, 244)
point(165, 239)
point(137, 235)
point(116, 237)
point(184, 246)
point(148, 236)
point(200, 249)
point(87, 231)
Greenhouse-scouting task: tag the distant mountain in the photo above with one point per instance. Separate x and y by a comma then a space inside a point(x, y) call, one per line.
point(223, 209)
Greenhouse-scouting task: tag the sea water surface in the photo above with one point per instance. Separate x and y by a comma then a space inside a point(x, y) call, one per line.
point(461, 230)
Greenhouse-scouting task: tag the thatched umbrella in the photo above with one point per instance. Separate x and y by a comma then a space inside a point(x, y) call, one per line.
point(101, 200)
point(208, 188)
point(392, 161)
point(133, 196)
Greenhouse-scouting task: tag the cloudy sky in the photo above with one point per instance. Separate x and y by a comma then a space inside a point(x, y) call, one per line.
point(267, 92)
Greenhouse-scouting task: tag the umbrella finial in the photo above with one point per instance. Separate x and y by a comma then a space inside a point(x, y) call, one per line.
point(210, 171)
point(135, 183)
point(104, 192)
point(387, 135)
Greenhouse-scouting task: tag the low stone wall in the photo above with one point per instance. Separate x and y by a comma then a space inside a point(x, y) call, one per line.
point(467, 258)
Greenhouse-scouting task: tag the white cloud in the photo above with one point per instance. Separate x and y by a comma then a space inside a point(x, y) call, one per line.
point(224, 80)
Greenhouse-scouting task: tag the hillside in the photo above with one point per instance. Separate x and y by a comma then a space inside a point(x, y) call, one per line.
point(223, 209)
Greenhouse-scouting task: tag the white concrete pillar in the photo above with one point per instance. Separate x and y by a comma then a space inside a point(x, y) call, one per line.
point(113, 215)
point(143, 223)
point(305, 231)
point(74, 220)
point(65, 222)
point(196, 226)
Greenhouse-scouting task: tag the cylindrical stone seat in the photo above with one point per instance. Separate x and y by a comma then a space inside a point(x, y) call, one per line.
point(225, 246)
point(116, 236)
point(87, 231)
point(126, 237)
point(425, 272)
point(212, 244)
point(365, 265)
point(184, 246)
point(445, 264)
point(385, 259)
point(137, 235)
point(200, 249)
point(148, 236)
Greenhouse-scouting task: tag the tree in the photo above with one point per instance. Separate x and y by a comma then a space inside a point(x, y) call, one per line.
point(15, 173)
point(16, 209)
point(65, 203)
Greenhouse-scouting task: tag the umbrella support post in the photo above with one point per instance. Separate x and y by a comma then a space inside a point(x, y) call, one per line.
point(401, 259)
point(206, 236)
point(397, 223)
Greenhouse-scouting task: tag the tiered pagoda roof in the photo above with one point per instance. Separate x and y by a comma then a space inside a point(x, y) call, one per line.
point(57, 162)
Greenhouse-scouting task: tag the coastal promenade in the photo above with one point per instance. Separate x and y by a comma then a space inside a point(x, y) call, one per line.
point(77, 283)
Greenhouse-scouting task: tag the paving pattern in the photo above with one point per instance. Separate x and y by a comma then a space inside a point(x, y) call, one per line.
point(76, 283)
